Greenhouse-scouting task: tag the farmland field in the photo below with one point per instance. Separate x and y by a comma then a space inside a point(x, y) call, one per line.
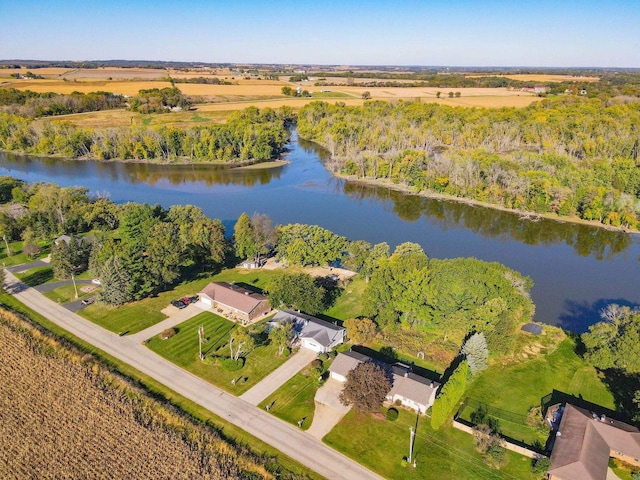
point(62, 415)
point(244, 91)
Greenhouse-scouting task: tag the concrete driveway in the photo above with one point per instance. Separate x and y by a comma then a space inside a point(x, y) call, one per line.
point(329, 410)
point(176, 317)
point(278, 377)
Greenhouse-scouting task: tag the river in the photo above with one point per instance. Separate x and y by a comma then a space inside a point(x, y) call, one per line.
point(576, 269)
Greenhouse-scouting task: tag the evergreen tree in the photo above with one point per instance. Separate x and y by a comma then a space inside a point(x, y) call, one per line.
point(476, 352)
point(115, 282)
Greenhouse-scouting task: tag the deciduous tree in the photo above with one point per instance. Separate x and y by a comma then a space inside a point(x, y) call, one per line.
point(366, 387)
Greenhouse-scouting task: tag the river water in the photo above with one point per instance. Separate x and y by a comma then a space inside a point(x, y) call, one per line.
point(576, 269)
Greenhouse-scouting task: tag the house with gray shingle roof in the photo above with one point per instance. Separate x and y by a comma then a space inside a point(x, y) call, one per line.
point(412, 390)
point(315, 334)
point(584, 443)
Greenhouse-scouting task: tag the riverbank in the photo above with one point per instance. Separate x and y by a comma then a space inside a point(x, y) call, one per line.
point(531, 216)
point(244, 165)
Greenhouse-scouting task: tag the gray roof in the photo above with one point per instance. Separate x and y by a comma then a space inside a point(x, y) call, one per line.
point(406, 384)
point(581, 450)
point(323, 332)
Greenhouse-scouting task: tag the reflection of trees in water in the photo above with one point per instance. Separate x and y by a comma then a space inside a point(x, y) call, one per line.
point(151, 173)
point(183, 174)
point(209, 175)
point(600, 243)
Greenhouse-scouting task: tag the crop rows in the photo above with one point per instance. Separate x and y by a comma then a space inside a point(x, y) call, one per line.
point(65, 416)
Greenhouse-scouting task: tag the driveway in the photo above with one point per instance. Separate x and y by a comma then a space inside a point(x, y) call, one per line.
point(27, 266)
point(47, 287)
point(285, 437)
point(176, 317)
point(329, 410)
point(279, 376)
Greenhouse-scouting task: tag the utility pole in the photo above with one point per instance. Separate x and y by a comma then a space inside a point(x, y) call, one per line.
point(412, 434)
point(200, 335)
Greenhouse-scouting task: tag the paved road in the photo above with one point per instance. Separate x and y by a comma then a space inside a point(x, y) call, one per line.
point(279, 376)
point(284, 437)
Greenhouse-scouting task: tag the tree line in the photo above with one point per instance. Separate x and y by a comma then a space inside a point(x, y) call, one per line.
point(33, 104)
point(248, 135)
point(572, 157)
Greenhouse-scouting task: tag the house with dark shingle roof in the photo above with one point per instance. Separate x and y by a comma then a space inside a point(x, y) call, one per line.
point(315, 334)
point(412, 390)
point(237, 303)
point(584, 443)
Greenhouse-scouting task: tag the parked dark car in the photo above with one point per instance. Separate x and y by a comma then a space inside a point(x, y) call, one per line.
point(178, 304)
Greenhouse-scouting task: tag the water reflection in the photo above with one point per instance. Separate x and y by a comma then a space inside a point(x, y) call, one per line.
point(585, 240)
point(137, 173)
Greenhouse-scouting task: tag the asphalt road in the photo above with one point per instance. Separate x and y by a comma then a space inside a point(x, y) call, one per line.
point(285, 437)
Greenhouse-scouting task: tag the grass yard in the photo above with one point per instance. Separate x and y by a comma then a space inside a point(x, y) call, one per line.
point(36, 276)
point(67, 294)
point(182, 349)
point(518, 387)
point(446, 454)
point(349, 304)
point(294, 400)
point(17, 257)
point(136, 316)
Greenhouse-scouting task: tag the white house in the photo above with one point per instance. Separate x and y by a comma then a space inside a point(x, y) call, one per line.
point(315, 334)
point(412, 390)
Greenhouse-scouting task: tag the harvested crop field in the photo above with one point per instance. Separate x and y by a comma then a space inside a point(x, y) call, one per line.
point(126, 118)
point(63, 415)
point(60, 86)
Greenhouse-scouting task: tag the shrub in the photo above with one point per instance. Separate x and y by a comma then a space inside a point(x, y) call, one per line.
point(539, 466)
point(392, 414)
point(232, 365)
point(168, 333)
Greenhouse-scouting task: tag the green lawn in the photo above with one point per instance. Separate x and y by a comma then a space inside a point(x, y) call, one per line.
point(17, 257)
point(294, 400)
point(36, 276)
point(182, 349)
point(67, 294)
point(349, 304)
point(518, 387)
point(446, 454)
point(136, 316)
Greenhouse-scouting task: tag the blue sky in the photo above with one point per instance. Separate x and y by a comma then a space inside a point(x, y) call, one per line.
point(450, 32)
